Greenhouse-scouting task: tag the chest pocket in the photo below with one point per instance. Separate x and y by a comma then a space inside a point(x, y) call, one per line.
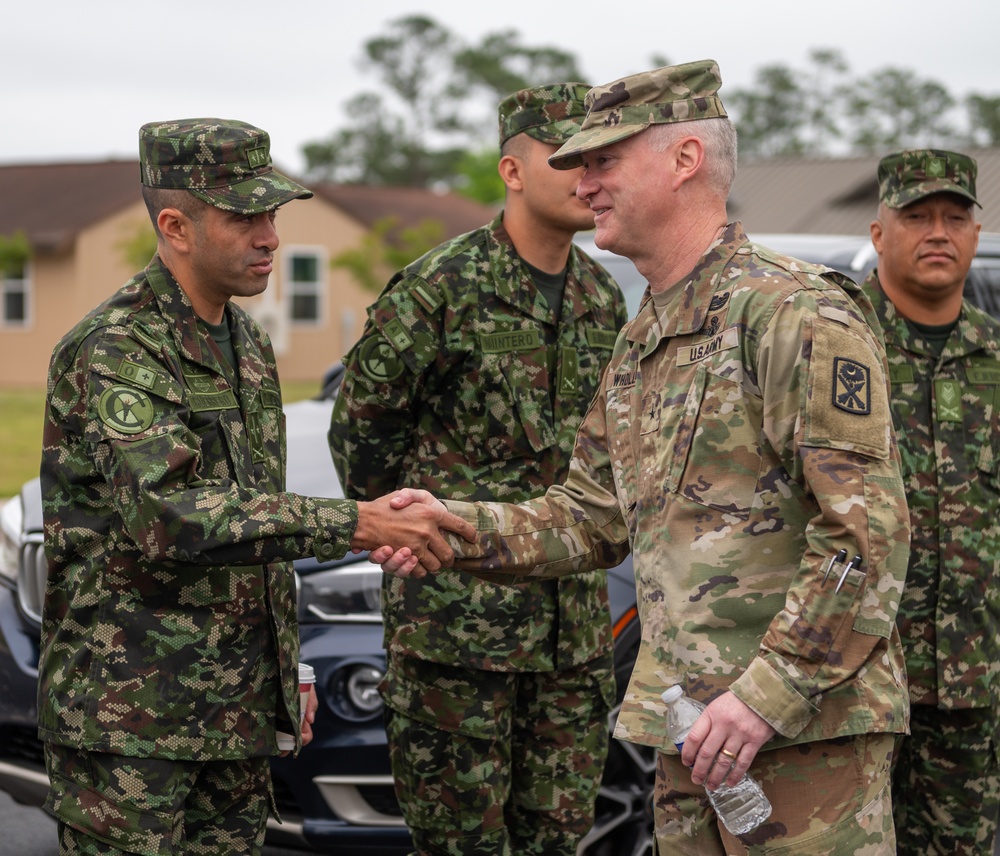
point(716, 458)
point(513, 399)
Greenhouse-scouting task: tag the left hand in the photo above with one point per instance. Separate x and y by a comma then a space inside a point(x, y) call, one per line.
point(729, 724)
point(312, 705)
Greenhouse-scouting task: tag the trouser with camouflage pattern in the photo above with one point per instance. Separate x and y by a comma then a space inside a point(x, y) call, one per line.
point(828, 798)
point(497, 763)
point(945, 783)
point(113, 805)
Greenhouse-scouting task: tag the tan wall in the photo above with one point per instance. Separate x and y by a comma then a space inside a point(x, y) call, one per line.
point(65, 288)
point(304, 352)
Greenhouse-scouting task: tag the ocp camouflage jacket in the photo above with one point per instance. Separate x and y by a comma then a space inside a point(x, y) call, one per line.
point(947, 416)
point(169, 626)
point(740, 439)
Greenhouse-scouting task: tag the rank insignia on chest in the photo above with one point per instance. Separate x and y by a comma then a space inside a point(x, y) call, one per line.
point(851, 386)
point(948, 400)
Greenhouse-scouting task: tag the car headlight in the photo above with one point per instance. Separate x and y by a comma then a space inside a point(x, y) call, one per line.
point(344, 595)
point(10, 537)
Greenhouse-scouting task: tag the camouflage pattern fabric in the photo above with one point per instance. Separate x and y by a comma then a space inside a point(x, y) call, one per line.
point(447, 727)
point(223, 162)
point(169, 627)
point(741, 438)
point(450, 389)
point(550, 114)
point(624, 107)
point(907, 176)
point(467, 384)
point(945, 784)
point(828, 798)
point(116, 806)
point(947, 415)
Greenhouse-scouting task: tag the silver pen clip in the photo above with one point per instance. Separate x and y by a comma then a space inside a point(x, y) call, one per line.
point(854, 564)
point(834, 561)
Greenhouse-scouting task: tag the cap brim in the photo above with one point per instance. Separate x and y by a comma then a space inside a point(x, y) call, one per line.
point(556, 133)
point(925, 189)
point(255, 195)
point(569, 156)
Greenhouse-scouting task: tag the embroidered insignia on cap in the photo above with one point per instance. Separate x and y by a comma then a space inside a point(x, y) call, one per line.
point(851, 387)
point(379, 360)
point(125, 410)
point(934, 167)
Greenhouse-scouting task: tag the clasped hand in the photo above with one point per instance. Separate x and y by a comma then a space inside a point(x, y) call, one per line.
point(403, 532)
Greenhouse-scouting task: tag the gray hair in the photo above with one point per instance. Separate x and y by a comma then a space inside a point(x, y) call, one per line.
point(718, 135)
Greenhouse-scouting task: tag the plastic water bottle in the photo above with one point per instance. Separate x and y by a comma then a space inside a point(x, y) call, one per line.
point(743, 806)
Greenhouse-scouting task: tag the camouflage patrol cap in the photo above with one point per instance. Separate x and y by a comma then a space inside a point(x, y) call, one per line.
point(550, 113)
point(905, 177)
point(624, 107)
point(223, 162)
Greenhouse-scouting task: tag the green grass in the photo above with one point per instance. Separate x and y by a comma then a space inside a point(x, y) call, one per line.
point(21, 431)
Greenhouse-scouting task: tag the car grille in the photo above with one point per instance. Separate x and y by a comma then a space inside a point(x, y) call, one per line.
point(32, 572)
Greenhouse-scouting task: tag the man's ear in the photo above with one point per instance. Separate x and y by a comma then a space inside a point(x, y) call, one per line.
point(510, 167)
point(689, 157)
point(175, 227)
point(875, 229)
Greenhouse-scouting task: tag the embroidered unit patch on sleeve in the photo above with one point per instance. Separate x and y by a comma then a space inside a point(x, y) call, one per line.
point(125, 410)
point(379, 360)
point(851, 386)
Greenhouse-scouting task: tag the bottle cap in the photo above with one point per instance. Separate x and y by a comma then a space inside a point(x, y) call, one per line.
point(307, 675)
point(671, 694)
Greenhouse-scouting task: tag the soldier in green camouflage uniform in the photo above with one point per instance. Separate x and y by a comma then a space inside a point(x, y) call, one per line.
point(740, 441)
point(169, 639)
point(471, 378)
point(944, 365)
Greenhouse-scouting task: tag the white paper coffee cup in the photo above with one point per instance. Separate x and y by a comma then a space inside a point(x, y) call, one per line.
point(307, 677)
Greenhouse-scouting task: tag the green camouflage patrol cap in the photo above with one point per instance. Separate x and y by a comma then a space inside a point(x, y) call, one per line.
point(624, 107)
point(223, 162)
point(905, 177)
point(550, 113)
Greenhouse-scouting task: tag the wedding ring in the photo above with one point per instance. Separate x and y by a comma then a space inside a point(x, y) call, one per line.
point(728, 754)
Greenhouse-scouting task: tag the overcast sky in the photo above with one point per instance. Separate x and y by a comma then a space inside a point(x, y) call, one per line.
point(78, 79)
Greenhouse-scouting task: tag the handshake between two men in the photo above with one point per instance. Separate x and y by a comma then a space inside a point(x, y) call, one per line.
point(404, 532)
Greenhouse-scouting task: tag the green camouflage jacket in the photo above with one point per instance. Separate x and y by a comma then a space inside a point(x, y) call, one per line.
point(947, 416)
point(466, 384)
point(741, 438)
point(170, 610)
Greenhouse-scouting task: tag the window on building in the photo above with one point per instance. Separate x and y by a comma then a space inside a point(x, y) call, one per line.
point(305, 285)
point(15, 297)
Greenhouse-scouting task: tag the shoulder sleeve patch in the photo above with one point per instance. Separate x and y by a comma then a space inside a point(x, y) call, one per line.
point(848, 406)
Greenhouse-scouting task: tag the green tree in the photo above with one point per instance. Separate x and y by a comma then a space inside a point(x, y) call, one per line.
point(770, 114)
point(385, 249)
point(893, 109)
point(15, 250)
point(984, 119)
point(479, 178)
point(138, 244)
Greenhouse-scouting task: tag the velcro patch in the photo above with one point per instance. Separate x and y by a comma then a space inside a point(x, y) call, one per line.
point(948, 400)
point(598, 337)
point(852, 383)
point(513, 340)
point(848, 404)
point(379, 360)
point(698, 351)
point(396, 333)
point(125, 410)
point(427, 297)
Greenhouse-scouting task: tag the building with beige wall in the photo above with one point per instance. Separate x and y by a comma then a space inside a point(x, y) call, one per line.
point(78, 219)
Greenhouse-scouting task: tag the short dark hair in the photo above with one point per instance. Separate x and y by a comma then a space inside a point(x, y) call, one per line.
point(158, 198)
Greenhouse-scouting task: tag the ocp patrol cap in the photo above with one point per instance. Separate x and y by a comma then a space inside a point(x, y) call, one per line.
point(910, 175)
point(624, 107)
point(551, 113)
point(223, 162)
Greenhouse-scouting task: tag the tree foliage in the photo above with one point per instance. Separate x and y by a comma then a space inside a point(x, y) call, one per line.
point(385, 249)
point(15, 250)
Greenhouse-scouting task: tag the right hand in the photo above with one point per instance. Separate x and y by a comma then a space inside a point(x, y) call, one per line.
point(404, 531)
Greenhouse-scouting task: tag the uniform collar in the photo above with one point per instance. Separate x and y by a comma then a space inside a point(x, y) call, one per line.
point(690, 301)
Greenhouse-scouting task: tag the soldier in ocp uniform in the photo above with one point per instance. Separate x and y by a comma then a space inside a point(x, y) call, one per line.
point(169, 644)
point(740, 445)
point(470, 379)
point(944, 367)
